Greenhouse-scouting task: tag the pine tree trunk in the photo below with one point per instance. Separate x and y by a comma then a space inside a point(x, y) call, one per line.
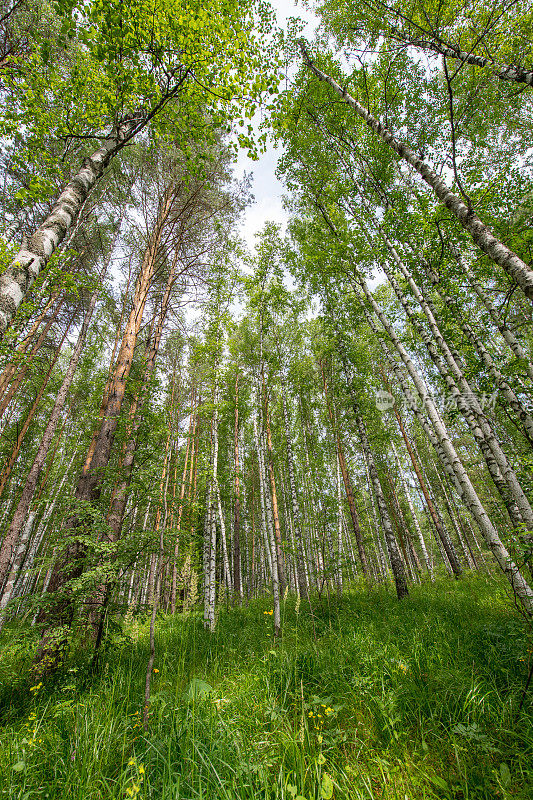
point(6, 471)
point(10, 377)
point(32, 478)
point(89, 485)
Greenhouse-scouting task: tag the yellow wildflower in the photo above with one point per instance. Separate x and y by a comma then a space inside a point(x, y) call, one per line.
point(141, 769)
point(156, 670)
point(131, 762)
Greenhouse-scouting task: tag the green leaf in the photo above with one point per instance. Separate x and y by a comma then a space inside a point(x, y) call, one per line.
point(327, 787)
point(197, 688)
point(440, 783)
point(505, 775)
point(321, 760)
point(19, 766)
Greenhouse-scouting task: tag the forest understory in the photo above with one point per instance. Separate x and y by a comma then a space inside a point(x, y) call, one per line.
point(360, 698)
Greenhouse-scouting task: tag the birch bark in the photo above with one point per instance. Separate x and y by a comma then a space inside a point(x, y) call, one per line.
point(483, 237)
point(449, 458)
point(296, 515)
point(392, 547)
point(34, 255)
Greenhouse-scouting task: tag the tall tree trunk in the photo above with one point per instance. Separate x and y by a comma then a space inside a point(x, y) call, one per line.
point(117, 508)
point(224, 543)
point(109, 383)
point(390, 541)
point(420, 535)
point(441, 531)
point(449, 458)
point(89, 485)
point(237, 583)
point(270, 540)
point(71, 564)
point(6, 471)
point(190, 440)
point(347, 482)
point(498, 252)
point(34, 255)
point(296, 515)
point(210, 532)
point(32, 478)
point(275, 510)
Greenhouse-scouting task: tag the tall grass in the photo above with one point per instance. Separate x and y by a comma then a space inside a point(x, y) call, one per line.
point(369, 699)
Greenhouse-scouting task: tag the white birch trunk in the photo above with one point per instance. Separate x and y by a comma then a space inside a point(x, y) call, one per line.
point(506, 333)
point(483, 237)
point(296, 514)
point(35, 253)
point(418, 530)
point(449, 458)
point(227, 571)
point(270, 544)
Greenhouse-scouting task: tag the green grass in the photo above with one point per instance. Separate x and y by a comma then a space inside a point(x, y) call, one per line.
point(416, 700)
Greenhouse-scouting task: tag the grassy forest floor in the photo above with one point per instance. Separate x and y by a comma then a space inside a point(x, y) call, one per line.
point(371, 699)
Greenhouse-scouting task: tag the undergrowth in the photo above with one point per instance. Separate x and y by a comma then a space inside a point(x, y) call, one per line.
point(368, 698)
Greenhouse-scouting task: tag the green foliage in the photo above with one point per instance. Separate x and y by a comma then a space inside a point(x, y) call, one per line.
point(366, 699)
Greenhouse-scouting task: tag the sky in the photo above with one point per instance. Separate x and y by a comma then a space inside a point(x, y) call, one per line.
point(266, 188)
